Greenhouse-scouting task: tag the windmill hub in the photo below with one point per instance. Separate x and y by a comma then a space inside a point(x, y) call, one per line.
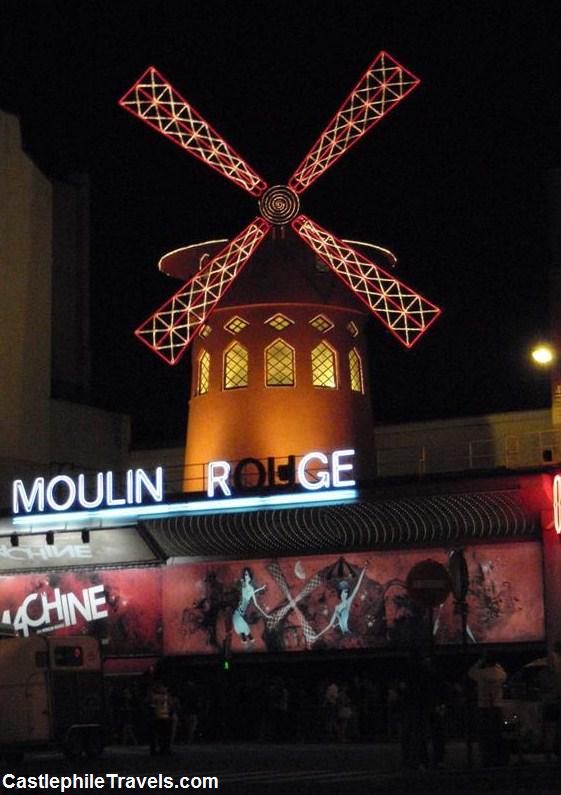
point(279, 204)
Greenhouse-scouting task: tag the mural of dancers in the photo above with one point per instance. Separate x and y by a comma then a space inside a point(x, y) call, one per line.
point(341, 613)
point(327, 602)
point(248, 595)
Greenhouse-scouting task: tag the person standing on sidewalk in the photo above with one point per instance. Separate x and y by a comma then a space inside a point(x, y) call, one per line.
point(550, 686)
point(490, 677)
point(160, 719)
point(415, 715)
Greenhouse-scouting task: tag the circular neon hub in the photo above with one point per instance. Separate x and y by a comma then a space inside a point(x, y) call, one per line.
point(279, 205)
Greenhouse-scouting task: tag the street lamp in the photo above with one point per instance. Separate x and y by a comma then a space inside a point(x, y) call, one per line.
point(543, 354)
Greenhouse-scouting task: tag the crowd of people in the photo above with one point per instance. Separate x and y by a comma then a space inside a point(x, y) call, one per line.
point(421, 705)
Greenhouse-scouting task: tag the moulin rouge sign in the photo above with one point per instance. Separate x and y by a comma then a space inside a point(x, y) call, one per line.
point(333, 471)
point(63, 493)
point(315, 471)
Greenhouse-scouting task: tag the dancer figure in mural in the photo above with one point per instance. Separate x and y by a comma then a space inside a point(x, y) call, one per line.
point(248, 595)
point(341, 613)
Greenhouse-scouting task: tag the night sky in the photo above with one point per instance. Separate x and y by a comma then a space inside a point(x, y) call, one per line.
point(453, 181)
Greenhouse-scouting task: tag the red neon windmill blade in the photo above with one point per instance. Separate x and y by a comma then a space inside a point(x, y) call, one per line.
point(384, 84)
point(169, 331)
point(154, 100)
point(402, 310)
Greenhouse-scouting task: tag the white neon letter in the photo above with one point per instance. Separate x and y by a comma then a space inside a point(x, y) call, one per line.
point(217, 475)
point(63, 506)
point(155, 490)
point(322, 481)
point(337, 467)
point(37, 493)
point(111, 500)
point(96, 502)
point(130, 487)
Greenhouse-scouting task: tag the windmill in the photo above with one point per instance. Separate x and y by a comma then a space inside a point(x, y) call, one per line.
point(185, 316)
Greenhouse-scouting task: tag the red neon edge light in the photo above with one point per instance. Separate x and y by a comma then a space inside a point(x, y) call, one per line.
point(373, 97)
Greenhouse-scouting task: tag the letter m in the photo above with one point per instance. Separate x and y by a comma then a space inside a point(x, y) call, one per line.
point(37, 495)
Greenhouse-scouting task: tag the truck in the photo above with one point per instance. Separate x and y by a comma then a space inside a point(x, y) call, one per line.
point(51, 692)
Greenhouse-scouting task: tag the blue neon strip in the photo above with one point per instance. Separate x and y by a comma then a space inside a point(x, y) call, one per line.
point(137, 512)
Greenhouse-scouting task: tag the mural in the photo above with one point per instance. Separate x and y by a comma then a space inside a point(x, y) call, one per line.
point(352, 601)
point(347, 602)
point(120, 607)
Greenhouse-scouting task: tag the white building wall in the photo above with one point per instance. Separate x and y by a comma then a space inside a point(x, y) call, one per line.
point(512, 440)
point(38, 435)
point(25, 303)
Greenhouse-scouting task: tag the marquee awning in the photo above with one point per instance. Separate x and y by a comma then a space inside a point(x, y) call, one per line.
point(441, 520)
point(115, 546)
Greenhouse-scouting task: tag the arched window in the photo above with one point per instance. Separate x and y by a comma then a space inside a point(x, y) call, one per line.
point(203, 374)
point(279, 364)
point(324, 372)
point(236, 367)
point(355, 371)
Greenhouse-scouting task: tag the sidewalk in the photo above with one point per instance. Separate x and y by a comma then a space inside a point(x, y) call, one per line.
point(283, 769)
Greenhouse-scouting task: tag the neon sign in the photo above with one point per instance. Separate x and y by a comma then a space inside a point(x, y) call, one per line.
point(62, 492)
point(59, 503)
point(332, 474)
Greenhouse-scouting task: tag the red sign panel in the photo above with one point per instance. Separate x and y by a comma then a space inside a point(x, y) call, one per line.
point(120, 607)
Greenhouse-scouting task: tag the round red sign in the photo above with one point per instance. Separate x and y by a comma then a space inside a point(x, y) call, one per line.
point(428, 583)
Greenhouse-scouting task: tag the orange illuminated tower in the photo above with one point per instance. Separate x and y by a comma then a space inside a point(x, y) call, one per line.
point(278, 352)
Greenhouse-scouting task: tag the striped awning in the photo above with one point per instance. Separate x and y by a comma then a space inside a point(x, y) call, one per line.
point(441, 520)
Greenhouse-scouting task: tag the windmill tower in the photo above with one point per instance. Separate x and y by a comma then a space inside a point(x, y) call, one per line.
point(278, 351)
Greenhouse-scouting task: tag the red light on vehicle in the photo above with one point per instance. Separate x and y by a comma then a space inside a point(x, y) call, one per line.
point(557, 503)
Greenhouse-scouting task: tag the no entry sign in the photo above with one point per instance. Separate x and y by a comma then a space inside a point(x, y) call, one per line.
point(428, 583)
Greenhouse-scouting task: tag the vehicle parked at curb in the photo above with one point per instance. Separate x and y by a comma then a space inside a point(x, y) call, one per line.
point(51, 691)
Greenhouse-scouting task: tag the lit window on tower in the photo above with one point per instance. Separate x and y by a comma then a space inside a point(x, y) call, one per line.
point(279, 321)
point(236, 324)
point(355, 371)
point(279, 364)
point(236, 367)
point(203, 377)
point(321, 323)
point(323, 366)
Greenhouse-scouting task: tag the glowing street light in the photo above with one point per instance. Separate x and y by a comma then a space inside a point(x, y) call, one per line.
point(543, 354)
